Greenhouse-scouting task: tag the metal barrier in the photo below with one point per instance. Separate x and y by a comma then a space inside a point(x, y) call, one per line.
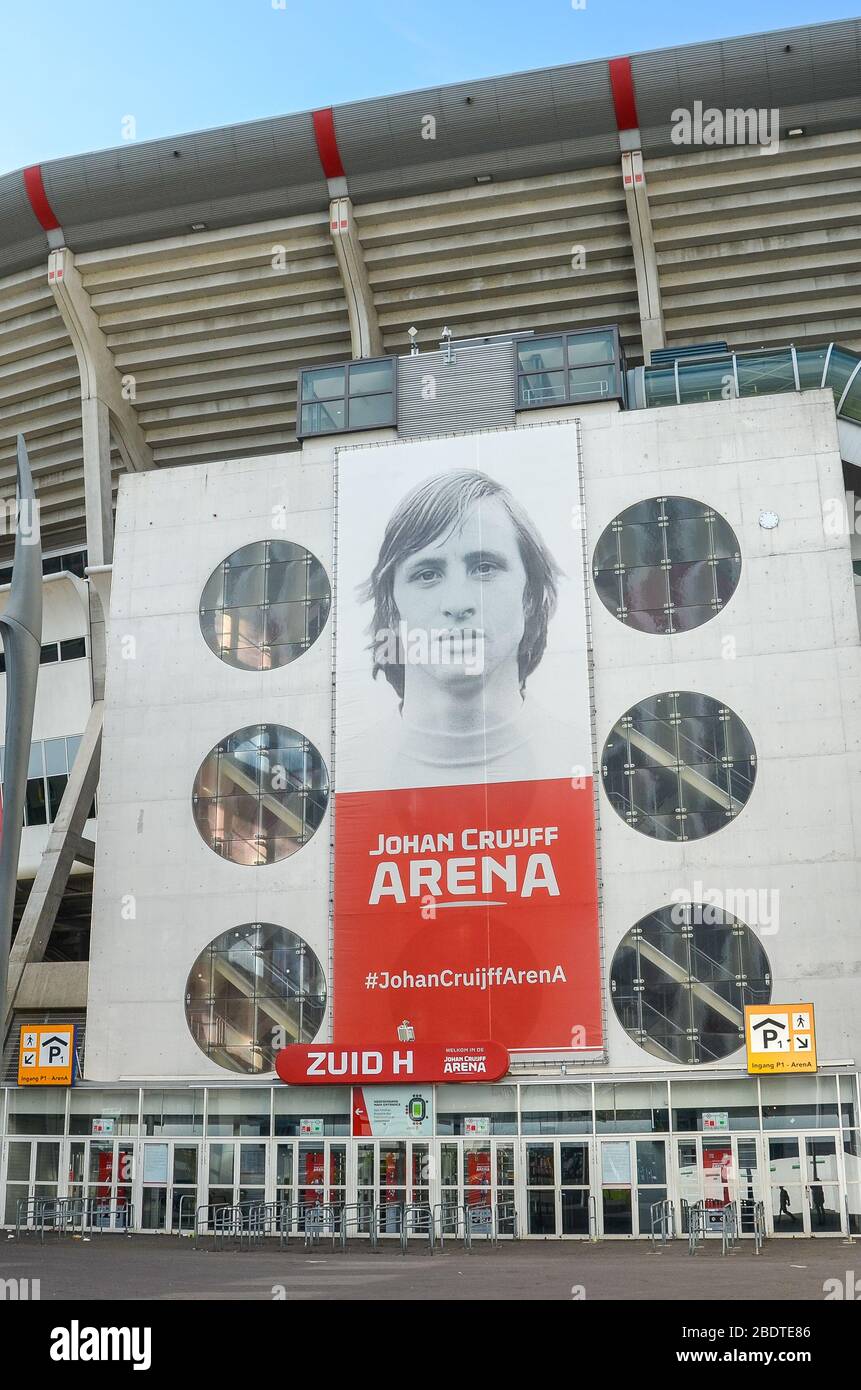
point(696, 1226)
point(417, 1221)
point(446, 1213)
point(65, 1214)
point(728, 1228)
point(758, 1227)
point(662, 1217)
point(506, 1215)
point(360, 1217)
point(593, 1218)
point(849, 1238)
point(187, 1197)
point(479, 1222)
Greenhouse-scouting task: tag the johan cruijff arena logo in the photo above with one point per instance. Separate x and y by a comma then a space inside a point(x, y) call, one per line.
point(465, 882)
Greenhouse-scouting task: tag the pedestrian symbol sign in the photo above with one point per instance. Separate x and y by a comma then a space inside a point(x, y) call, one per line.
point(780, 1038)
point(47, 1055)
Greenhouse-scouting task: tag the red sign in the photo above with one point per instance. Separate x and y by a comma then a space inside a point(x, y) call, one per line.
point(333, 1064)
point(461, 923)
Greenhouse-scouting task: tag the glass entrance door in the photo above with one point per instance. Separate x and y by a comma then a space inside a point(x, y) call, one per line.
point(311, 1173)
point(805, 1185)
point(477, 1175)
point(632, 1179)
point(390, 1175)
point(557, 1187)
point(717, 1170)
point(102, 1171)
point(236, 1172)
point(32, 1170)
point(170, 1189)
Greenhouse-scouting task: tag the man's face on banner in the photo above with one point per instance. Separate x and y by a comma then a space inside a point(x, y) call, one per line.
point(465, 591)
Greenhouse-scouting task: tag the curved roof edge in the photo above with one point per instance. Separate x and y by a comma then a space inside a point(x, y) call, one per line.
point(518, 126)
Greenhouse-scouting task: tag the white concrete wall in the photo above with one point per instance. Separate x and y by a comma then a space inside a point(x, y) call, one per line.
point(167, 705)
point(63, 691)
point(794, 678)
point(783, 654)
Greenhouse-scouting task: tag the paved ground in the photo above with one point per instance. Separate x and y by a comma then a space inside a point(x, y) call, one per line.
point(165, 1268)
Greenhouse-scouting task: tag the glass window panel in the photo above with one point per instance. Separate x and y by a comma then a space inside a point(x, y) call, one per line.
point(540, 354)
point(692, 584)
point(765, 373)
point(543, 389)
point(246, 998)
point(56, 788)
point(18, 1169)
point(369, 411)
point(367, 377)
point(540, 1165)
point(266, 595)
point(591, 347)
point(641, 544)
point(679, 593)
point(592, 383)
point(706, 381)
point(695, 1011)
point(323, 419)
point(272, 794)
point(660, 386)
point(55, 756)
point(73, 648)
point(36, 807)
point(321, 383)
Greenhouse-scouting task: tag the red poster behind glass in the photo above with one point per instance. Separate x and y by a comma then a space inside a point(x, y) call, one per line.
point(465, 878)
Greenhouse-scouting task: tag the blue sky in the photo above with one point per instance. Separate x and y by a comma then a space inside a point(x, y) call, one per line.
point(72, 72)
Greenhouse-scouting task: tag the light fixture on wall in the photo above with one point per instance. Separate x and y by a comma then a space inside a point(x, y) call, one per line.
point(769, 520)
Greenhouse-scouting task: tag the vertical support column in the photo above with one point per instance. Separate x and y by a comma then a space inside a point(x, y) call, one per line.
point(366, 340)
point(96, 423)
point(645, 257)
point(621, 78)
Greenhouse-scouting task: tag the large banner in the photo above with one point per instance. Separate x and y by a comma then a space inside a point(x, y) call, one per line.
point(465, 879)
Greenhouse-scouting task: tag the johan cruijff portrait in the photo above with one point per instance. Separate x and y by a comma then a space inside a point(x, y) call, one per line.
point(464, 590)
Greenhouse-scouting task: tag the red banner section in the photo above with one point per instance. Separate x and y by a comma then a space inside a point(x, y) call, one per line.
point(332, 1063)
point(471, 912)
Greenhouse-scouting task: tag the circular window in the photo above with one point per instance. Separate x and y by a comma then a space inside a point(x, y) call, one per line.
point(260, 794)
point(679, 766)
point(680, 981)
point(265, 605)
point(254, 990)
point(666, 565)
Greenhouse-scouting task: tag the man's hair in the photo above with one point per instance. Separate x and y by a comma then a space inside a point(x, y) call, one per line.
point(435, 508)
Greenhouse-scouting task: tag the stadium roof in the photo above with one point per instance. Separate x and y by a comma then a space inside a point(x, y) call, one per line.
point(517, 126)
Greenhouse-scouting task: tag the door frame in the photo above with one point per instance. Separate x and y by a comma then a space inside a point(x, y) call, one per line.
point(806, 1182)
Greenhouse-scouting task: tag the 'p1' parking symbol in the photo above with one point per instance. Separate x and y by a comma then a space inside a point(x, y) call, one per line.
point(54, 1050)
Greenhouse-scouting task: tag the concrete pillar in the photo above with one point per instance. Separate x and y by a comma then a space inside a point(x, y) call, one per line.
point(645, 258)
point(365, 336)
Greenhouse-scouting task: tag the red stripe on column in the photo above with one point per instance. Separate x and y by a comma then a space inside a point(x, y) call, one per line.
point(622, 87)
point(327, 143)
point(35, 190)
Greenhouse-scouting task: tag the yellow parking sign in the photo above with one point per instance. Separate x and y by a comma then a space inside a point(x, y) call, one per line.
point(47, 1055)
point(780, 1038)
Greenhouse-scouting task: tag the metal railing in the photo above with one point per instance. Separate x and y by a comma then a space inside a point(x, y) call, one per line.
point(728, 1228)
point(65, 1214)
point(696, 1226)
point(758, 1227)
point(593, 1218)
point(417, 1220)
point(361, 1218)
point(662, 1217)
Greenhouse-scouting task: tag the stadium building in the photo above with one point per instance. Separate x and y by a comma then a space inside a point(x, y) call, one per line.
point(449, 720)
